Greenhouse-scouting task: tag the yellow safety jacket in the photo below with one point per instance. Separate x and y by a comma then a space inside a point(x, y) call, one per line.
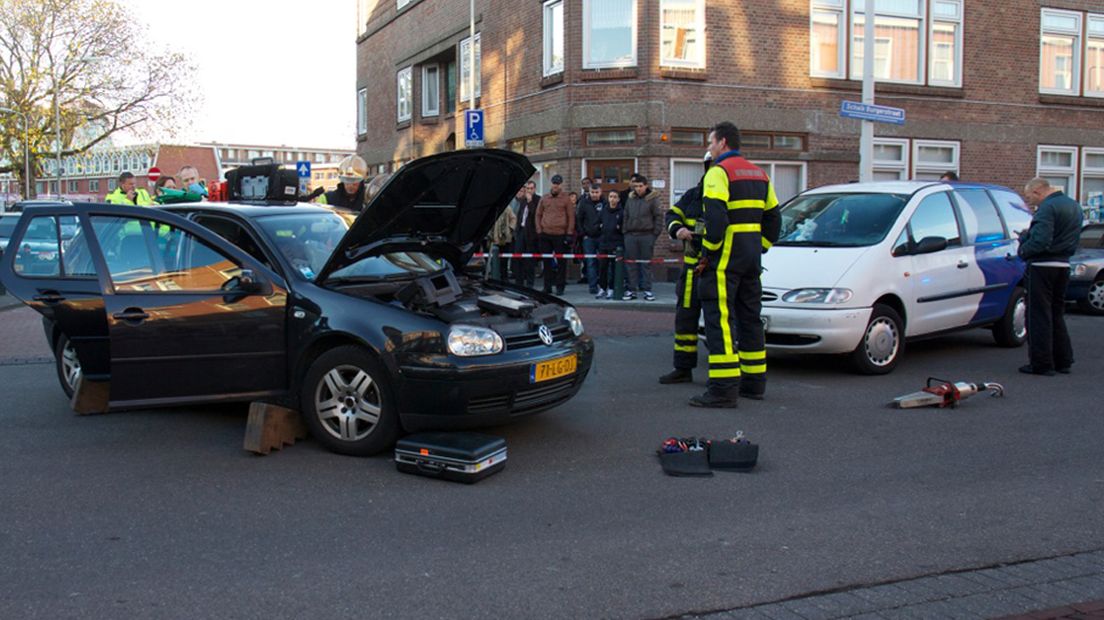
point(141, 198)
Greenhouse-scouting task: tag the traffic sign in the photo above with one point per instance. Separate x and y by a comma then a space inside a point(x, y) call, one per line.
point(303, 169)
point(473, 128)
point(153, 174)
point(871, 112)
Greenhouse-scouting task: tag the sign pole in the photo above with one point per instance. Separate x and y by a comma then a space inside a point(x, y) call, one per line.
point(866, 140)
point(471, 55)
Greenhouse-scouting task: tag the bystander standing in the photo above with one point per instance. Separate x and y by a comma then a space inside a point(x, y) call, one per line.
point(555, 223)
point(611, 241)
point(525, 235)
point(588, 228)
point(643, 223)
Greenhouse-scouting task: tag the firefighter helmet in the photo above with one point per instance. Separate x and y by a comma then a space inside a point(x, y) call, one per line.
point(352, 169)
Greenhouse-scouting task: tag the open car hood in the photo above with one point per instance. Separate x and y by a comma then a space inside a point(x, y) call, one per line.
point(443, 205)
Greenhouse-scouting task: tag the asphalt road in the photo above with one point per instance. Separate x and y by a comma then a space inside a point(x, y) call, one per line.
point(161, 514)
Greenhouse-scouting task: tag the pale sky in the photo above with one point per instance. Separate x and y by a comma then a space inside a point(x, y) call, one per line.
point(270, 72)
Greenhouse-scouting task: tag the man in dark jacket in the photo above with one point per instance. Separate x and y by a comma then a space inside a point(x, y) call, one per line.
point(588, 227)
point(643, 225)
point(555, 224)
point(610, 242)
point(1047, 247)
point(525, 235)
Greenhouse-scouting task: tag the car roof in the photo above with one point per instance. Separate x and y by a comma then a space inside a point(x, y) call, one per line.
point(36, 202)
point(898, 187)
point(251, 209)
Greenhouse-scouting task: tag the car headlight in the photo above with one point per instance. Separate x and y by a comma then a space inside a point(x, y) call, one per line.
point(1078, 269)
point(572, 318)
point(469, 341)
point(818, 296)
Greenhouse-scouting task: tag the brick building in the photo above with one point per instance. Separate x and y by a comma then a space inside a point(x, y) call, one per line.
point(996, 91)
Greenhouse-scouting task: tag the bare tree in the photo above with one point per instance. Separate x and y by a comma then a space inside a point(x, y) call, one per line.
point(96, 65)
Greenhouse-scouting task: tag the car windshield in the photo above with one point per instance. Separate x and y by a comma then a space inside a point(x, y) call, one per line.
point(1092, 237)
point(839, 220)
point(307, 240)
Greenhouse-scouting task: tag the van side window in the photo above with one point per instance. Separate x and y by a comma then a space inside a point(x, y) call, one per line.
point(935, 217)
point(980, 216)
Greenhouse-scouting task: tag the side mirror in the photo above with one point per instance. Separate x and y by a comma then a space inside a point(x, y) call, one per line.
point(928, 245)
point(248, 282)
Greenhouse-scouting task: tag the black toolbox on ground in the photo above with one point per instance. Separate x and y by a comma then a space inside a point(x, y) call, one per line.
point(461, 457)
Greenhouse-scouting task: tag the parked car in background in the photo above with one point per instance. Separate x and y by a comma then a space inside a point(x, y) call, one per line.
point(7, 226)
point(1086, 286)
point(18, 206)
point(369, 324)
point(861, 268)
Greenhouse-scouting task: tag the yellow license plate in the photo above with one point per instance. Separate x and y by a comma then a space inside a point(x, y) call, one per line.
point(552, 369)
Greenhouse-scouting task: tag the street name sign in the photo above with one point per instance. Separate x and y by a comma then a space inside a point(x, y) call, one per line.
point(871, 112)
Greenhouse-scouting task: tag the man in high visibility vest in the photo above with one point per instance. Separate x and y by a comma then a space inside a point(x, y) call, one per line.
point(127, 193)
point(684, 223)
point(741, 224)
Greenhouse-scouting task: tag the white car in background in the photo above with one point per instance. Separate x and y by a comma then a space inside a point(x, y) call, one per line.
point(860, 268)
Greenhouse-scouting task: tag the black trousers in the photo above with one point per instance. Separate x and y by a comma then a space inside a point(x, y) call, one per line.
point(1048, 341)
point(687, 313)
point(732, 304)
point(555, 269)
point(523, 267)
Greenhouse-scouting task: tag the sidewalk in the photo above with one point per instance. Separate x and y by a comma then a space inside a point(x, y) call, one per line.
point(1058, 586)
point(579, 296)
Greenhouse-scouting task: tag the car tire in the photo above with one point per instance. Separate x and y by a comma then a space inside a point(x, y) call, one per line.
point(347, 404)
point(882, 344)
point(1011, 330)
point(67, 364)
point(1094, 300)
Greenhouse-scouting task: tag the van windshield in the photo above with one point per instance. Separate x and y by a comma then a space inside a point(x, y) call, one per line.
point(839, 220)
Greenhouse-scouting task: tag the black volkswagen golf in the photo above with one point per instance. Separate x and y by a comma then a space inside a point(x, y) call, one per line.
point(369, 324)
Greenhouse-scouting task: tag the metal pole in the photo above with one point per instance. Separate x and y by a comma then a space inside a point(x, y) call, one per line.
point(471, 55)
point(866, 140)
point(26, 149)
point(57, 128)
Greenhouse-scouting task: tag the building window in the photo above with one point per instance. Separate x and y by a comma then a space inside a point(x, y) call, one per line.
point(404, 93)
point(788, 177)
point(1094, 57)
point(112, 183)
point(1058, 165)
point(1092, 173)
point(533, 144)
point(72, 186)
point(905, 37)
point(609, 33)
point(362, 111)
point(682, 33)
point(930, 159)
point(431, 90)
point(610, 137)
point(772, 142)
point(94, 185)
point(891, 159)
point(685, 174)
point(40, 188)
point(688, 137)
point(553, 37)
point(1060, 52)
point(465, 67)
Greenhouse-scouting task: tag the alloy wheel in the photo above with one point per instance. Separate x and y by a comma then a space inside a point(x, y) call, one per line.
point(1096, 296)
point(70, 365)
point(348, 403)
point(1019, 319)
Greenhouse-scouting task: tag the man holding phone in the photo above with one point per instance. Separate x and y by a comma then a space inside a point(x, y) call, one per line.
point(127, 192)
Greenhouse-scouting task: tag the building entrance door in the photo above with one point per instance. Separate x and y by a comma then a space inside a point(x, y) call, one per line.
point(613, 174)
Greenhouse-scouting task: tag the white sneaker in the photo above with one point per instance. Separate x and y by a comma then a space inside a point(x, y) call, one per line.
point(648, 296)
point(609, 294)
point(601, 293)
point(628, 295)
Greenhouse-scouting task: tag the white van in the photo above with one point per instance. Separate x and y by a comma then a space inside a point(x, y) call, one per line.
point(859, 268)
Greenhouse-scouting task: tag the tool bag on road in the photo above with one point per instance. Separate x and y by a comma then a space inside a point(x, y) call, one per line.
point(460, 457)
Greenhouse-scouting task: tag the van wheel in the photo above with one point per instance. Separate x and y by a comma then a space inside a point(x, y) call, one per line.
point(1011, 330)
point(1093, 303)
point(882, 344)
point(68, 365)
point(347, 403)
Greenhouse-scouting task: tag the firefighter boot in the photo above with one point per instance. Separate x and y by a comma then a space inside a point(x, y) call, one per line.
point(715, 399)
point(678, 375)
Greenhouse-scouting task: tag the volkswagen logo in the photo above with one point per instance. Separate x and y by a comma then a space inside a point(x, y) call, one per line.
point(545, 335)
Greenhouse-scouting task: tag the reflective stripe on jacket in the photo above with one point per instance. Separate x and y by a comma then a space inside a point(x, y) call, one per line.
point(141, 198)
point(741, 214)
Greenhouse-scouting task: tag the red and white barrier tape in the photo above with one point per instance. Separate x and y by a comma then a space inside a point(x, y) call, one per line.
point(557, 256)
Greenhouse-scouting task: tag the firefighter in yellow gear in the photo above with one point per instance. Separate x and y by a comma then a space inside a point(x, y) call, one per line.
point(685, 223)
point(126, 193)
point(741, 223)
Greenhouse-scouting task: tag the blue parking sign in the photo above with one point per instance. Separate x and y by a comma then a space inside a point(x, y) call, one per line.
point(473, 128)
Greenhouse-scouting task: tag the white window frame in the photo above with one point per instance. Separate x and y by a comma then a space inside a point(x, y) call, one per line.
point(857, 8)
point(1071, 172)
point(918, 166)
point(956, 79)
point(672, 198)
point(1097, 21)
point(431, 108)
point(400, 4)
point(403, 112)
point(768, 166)
point(1086, 171)
point(362, 111)
point(699, 25)
point(549, 40)
point(837, 7)
point(465, 57)
point(587, 63)
point(1078, 42)
point(903, 166)
point(93, 185)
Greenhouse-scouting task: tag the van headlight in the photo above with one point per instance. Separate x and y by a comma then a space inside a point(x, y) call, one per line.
point(572, 318)
point(1078, 269)
point(818, 296)
point(469, 341)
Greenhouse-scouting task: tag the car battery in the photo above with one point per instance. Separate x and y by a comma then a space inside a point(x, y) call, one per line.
point(460, 457)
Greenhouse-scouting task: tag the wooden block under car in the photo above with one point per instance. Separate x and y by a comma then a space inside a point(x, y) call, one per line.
point(271, 427)
point(90, 397)
point(460, 457)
